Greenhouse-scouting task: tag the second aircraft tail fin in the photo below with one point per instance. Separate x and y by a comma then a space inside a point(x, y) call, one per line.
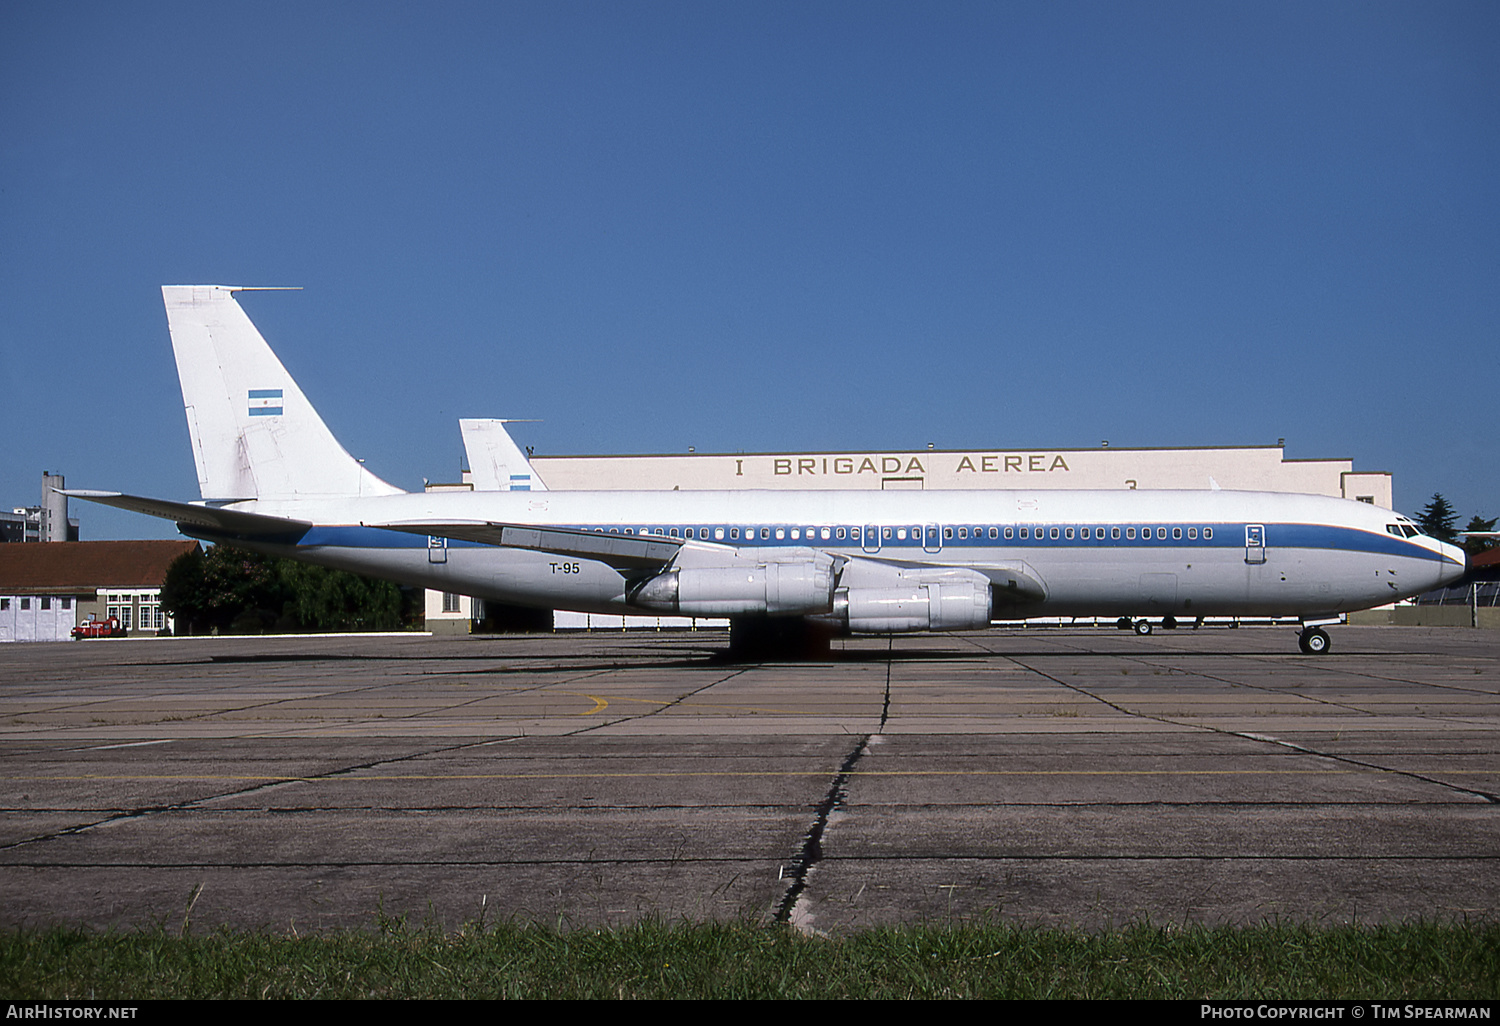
point(495, 461)
point(254, 433)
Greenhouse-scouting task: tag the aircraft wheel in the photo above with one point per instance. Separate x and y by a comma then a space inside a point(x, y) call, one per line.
point(1123, 623)
point(1169, 623)
point(1314, 641)
point(1143, 627)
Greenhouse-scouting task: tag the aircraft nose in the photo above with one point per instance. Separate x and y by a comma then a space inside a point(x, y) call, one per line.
point(1455, 564)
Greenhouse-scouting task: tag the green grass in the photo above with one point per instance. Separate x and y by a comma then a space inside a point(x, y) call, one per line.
point(655, 960)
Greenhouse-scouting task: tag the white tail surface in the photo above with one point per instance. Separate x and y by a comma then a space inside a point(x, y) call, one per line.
point(255, 435)
point(496, 463)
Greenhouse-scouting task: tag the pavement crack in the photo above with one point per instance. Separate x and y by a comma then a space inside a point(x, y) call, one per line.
point(810, 853)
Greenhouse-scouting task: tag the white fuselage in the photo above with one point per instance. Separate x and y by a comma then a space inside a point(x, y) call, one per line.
point(1109, 553)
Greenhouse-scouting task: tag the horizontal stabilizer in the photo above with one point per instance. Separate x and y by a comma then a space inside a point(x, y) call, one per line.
point(213, 518)
point(621, 551)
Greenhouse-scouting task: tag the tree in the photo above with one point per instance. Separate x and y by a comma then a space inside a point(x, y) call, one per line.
point(1438, 518)
point(231, 591)
point(332, 600)
point(1477, 523)
point(225, 590)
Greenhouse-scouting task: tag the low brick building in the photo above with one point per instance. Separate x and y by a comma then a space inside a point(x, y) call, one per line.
point(47, 590)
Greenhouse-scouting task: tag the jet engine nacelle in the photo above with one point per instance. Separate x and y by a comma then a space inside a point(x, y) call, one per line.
point(914, 600)
point(775, 589)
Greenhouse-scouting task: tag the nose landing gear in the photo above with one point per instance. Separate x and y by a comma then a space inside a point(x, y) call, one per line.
point(1314, 641)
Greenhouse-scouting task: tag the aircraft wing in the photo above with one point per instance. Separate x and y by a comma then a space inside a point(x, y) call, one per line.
point(1014, 583)
point(192, 514)
point(626, 552)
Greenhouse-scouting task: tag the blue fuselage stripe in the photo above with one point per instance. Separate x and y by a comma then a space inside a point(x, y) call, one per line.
point(1225, 536)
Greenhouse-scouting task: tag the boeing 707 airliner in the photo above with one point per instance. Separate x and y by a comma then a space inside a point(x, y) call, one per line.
point(272, 478)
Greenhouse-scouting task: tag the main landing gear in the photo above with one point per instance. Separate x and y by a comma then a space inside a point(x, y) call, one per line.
point(1145, 627)
point(1314, 641)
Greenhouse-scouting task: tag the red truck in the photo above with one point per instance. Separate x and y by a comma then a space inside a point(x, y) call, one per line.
point(109, 628)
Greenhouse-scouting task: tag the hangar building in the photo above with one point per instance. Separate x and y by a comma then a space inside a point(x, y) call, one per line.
point(1248, 468)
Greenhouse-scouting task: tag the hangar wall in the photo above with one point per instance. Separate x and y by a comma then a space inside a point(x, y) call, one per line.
point(1251, 468)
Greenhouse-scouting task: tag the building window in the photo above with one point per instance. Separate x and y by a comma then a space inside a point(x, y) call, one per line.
point(450, 602)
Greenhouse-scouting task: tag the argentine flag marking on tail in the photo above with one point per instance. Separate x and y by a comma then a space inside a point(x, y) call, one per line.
point(265, 402)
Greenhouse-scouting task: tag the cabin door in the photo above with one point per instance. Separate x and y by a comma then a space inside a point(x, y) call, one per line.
point(1255, 543)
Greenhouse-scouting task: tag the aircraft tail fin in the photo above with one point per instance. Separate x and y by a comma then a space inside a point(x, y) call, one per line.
point(254, 433)
point(496, 463)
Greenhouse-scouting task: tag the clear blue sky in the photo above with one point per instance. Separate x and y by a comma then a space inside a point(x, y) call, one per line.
point(761, 226)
